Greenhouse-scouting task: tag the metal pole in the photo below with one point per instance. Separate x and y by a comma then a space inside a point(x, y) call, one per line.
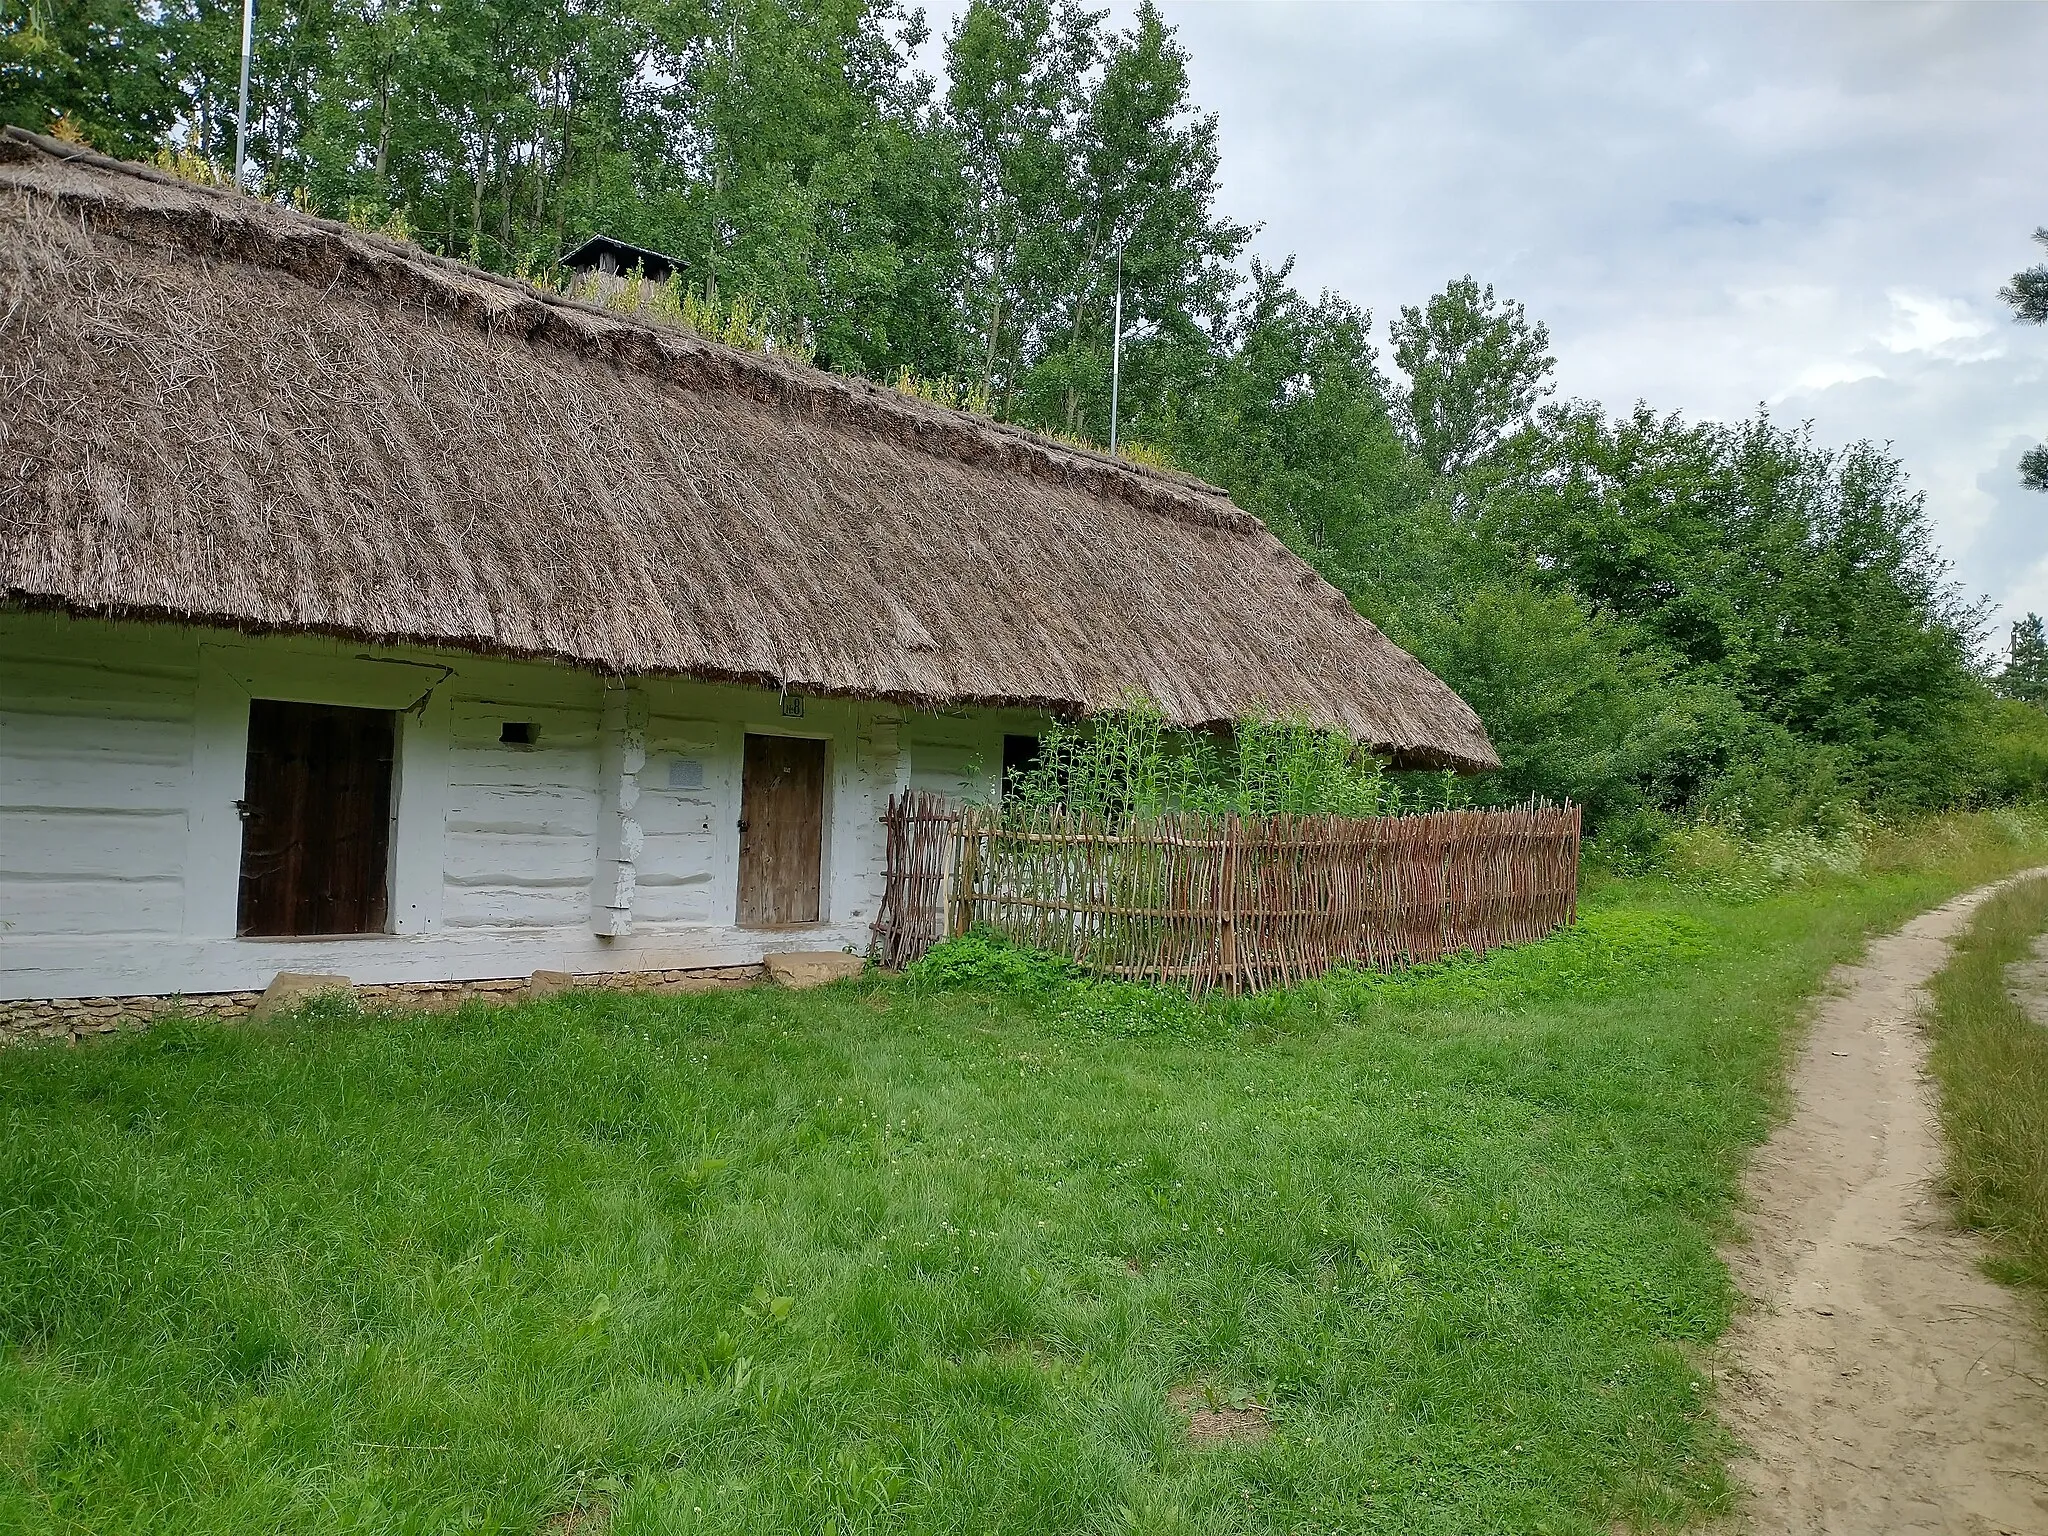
point(1116, 349)
point(242, 105)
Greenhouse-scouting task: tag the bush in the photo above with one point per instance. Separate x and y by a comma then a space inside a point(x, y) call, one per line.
point(985, 961)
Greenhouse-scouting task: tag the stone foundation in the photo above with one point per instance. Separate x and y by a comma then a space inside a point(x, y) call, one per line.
point(74, 1019)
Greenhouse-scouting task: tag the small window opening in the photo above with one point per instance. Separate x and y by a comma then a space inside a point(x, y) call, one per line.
point(1020, 756)
point(519, 733)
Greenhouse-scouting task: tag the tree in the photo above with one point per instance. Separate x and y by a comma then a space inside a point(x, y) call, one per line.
point(1285, 405)
point(107, 65)
point(2025, 674)
point(1804, 579)
point(1476, 370)
point(1079, 143)
point(2027, 293)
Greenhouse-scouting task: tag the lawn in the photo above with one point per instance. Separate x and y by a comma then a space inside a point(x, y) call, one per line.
point(891, 1258)
point(1991, 1060)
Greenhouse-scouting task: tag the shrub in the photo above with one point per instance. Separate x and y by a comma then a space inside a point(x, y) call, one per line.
point(985, 961)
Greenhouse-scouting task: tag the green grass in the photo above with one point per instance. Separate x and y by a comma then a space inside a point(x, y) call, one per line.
point(1991, 1060)
point(898, 1257)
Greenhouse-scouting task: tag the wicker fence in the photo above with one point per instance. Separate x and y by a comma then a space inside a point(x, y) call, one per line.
point(1228, 901)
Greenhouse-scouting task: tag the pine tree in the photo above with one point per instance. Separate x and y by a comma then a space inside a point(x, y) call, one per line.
point(2027, 293)
point(2026, 663)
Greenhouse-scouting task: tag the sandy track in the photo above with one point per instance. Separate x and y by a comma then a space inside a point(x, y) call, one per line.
point(1883, 1383)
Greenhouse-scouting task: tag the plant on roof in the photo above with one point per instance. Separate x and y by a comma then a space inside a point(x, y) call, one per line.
point(374, 218)
point(947, 391)
point(187, 164)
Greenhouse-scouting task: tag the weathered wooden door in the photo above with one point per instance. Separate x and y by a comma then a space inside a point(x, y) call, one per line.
point(782, 831)
point(316, 819)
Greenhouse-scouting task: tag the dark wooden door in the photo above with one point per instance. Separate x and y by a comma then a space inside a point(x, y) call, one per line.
point(316, 819)
point(782, 831)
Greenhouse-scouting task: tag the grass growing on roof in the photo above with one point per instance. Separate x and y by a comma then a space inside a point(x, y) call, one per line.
point(915, 1256)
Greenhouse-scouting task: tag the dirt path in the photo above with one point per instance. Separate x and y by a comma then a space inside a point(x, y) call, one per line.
point(1883, 1382)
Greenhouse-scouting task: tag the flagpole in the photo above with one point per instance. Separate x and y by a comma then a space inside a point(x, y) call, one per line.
point(242, 104)
point(1116, 347)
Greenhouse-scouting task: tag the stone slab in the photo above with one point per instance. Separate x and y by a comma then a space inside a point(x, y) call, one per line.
point(288, 989)
point(813, 968)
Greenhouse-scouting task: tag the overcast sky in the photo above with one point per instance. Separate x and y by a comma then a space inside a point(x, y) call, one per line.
point(1711, 206)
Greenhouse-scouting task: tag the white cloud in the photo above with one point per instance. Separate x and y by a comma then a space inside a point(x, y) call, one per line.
point(1819, 376)
point(1943, 327)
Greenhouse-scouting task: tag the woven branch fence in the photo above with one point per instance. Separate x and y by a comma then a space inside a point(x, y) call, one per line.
point(1238, 902)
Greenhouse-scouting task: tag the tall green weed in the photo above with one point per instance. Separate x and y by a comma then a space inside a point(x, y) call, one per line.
point(1133, 762)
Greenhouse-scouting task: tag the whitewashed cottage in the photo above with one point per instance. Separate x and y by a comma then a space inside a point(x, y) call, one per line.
point(364, 613)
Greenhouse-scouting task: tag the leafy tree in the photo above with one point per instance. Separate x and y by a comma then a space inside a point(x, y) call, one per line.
point(1803, 579)
point(1577, 706)
point(107, 65)
point(1016, 95)
point(1286, 405)
point(1080, 144)
point(2027, 293)
point(1476, 370)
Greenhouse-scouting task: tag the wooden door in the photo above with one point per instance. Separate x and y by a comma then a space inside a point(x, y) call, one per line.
point(782, 831)
point(316, 819)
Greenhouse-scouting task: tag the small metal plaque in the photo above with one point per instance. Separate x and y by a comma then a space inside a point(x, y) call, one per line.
point(686, 773)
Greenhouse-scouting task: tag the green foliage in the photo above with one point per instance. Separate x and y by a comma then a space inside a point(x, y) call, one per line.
point(2025, 674)
point(1607, 951)
point(1794, 590)
point(1131, 762)
point(2027, 293)
point(736, 320)
point(1078, 142)
point(1476, 370)
point(1990, 1057)
point(1577, 705)
point(949, 392)
point(1287, 407)
point(373, 218)
point(985, 961)
point(104, 66)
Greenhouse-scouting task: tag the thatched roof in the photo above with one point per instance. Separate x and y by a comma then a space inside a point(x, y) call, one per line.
point(216, 410)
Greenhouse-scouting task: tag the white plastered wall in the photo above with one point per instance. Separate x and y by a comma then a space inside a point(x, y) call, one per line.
point(609, 844)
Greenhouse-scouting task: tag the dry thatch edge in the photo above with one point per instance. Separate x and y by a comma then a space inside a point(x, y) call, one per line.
point(680, 358)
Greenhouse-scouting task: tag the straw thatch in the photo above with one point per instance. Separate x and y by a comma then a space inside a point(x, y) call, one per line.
point(222, 411)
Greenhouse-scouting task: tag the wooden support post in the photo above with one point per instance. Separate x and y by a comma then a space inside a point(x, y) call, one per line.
point(622, 753)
